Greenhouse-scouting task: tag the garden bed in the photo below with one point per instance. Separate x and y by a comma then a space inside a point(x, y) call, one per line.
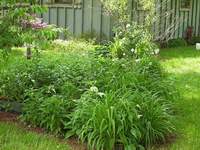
point(8, 117)
point(80, 95)
point(10, 106)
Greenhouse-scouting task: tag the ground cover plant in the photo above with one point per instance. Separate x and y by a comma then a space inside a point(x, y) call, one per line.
point(173, 43)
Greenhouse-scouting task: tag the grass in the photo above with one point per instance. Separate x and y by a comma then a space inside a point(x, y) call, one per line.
point(183, 64)
point(14, 138)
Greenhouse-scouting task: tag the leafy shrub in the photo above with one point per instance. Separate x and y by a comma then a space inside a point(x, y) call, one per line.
point(47, 112)
point(92, 36)
point(195, 40)
point(177, 43)
point(102, 51)
point(15, 81)
point(10, 36)
point(11, 23)
point(134, 41)
point(25, 75)
point(53, 75)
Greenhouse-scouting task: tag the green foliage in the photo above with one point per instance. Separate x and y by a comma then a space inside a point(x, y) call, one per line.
point(105, 121)
point(54, 76)
point(47, 112)
point(131, 38)
point(93, 36)
point(75, 45)
point(133, 41)
point(15, 81)
point(132, 119)
point(20, 26)
point(102, 51)
point(176, 43)
point(101, 116)
point(195, 40)
point(119, 10)
point(103, 100)
point(10, 23)
point(156, 119)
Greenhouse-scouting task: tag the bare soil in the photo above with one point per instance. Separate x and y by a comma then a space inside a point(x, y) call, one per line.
point(8, 117)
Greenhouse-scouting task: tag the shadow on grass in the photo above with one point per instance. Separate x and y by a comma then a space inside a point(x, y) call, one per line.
point(187, 120)
point(183, 65)
point(181, 52)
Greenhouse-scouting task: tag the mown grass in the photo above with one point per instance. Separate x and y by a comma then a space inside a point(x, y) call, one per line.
point(14, 138)
point(183, 64)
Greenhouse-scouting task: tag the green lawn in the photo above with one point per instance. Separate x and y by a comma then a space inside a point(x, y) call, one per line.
point(183, 64)
point(14, 138)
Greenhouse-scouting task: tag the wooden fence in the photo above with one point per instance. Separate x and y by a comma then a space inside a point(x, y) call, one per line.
point(90, 17)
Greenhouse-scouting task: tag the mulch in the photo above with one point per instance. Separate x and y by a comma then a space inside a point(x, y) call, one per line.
point(8, 117)
point(13, 118)
point(4, 98)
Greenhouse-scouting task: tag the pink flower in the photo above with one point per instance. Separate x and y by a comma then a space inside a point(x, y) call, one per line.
point(37, 23)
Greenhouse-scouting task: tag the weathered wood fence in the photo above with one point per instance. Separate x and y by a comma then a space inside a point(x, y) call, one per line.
point(90, 17)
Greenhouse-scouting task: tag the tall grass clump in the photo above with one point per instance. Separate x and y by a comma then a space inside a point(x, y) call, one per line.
point(130, 104)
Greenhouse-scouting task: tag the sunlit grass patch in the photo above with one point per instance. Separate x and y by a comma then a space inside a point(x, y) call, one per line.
point(14, 138)
point(183, 64)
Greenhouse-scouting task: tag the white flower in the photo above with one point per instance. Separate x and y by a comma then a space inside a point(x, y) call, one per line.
point(138, 106)
point(198, 46)
point(94, 89)
point(128, 25)
point(156, 51)
point(123, 65)
point(137, 60)
point(132, 50)
point(139, 116)
point(115, 59)
point(101, 94)
point(124, 39)
point(61, 42)
point(124, 54)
